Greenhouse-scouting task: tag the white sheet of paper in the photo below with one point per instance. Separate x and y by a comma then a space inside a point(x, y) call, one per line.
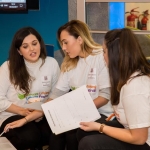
point(34, 105)
point(66, 112)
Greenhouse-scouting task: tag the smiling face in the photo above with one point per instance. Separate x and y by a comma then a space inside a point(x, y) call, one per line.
point(105, 53)
point(30, 48)
point(71, 45)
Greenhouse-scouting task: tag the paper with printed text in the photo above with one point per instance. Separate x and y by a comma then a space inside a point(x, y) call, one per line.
point(66, 112)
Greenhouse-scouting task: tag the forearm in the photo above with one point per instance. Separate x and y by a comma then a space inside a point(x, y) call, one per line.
point(34, 115)
point(136, 136)
point(133, 136)
point(103, 98)
point(14, 109)
point(100, 101)
point(18, 123)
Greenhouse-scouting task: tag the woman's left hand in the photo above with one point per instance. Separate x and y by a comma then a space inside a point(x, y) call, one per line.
point(15, 124)
point(90, 126)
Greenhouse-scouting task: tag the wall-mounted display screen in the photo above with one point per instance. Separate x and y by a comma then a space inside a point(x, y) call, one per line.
point(33, 4)
point(13, 5)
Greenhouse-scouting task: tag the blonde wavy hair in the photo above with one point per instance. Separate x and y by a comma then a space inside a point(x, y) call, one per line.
point(77, 28)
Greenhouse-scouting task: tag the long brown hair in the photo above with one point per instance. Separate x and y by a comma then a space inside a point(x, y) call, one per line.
point(19, 75)
point(125, 57)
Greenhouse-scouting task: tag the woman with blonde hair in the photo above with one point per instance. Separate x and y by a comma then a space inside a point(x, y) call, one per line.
point(83, 65)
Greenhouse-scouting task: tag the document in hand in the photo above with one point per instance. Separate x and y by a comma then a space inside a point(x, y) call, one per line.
point(66, 112)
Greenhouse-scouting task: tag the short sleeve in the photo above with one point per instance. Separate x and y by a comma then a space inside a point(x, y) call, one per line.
point(63, 83)
point(4, 86)
point(56, 73)
point(135, 99)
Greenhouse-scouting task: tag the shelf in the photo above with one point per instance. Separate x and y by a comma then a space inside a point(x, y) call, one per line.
point(81, 12)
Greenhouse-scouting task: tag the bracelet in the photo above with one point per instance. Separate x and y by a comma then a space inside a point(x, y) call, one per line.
point(26, 119)
point(101, 128)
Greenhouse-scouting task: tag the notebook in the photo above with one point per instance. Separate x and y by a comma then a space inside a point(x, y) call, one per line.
point(5, 144)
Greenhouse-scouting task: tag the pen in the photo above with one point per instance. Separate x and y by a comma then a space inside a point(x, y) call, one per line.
point(110, 117)
point(4, 131)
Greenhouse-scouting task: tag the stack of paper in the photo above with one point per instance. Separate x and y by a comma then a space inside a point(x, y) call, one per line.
point(66, 112)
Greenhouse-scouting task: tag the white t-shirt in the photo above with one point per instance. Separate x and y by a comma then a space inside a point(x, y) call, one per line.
point(133, 110)
point(45, 78)
point(92, 67)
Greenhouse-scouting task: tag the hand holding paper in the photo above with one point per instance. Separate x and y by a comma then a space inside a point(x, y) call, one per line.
point(66, 112)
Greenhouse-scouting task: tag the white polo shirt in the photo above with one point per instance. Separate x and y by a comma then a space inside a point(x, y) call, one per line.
point(133, 110)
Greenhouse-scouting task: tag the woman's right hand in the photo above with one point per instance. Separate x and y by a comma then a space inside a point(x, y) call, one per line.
point(25, 111)
point(19, 110)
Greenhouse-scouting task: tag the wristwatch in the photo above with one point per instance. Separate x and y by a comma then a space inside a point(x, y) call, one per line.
point(101, 128)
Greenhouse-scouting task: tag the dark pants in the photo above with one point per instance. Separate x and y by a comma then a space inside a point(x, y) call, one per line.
point(31, 135)
point(104, 142)
point(63, 141)
point(67, 139)
point(96, 141)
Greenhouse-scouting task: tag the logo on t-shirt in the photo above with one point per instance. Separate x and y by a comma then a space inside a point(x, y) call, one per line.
point(91, 81)
point(34, 97)
point(46, 81)
point(45, 78)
